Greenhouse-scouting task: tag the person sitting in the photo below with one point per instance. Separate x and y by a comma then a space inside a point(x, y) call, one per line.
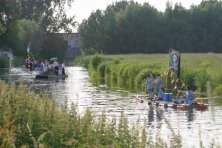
point(160, 95)
point(180, 98)
point(189, 96)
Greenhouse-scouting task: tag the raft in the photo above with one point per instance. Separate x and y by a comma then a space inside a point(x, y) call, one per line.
point(44, 76)
point(197, 104)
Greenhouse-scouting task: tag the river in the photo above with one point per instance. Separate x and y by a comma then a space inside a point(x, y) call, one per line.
point(191, 126)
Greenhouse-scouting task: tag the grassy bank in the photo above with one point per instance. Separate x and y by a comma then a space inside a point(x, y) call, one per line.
point(130, 70)
point(30, 120)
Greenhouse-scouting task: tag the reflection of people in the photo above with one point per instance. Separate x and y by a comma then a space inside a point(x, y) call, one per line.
point(150, 113)
point(63, 68)
point(189, 95)
point(158, 84)
point(150, 81)
point(159, 113)
point(190, 114)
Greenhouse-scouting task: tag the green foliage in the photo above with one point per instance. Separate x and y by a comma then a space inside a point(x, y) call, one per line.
point(188, 76)
point(218, 90)
point(130, 27)
point(201, 79)
point(96, 60)
point(83, 61)
point(2, 29)
point(53, 46)
point(25, 22)
point(49, 14)
point(17, 61)
point(130, 71)
point(30, 120)
point(20, 34)
point(29, 32)
point(4, 62)
point(102, 69)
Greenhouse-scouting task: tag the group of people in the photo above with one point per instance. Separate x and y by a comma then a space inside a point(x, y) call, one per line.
point(54, 68)
point(157, 84)
point(45, 66)
point(151, 81)
point(31, 63)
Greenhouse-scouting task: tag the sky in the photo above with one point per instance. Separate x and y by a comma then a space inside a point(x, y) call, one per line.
point(82, 9)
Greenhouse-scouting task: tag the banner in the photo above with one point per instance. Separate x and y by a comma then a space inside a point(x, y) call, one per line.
point(175, 61)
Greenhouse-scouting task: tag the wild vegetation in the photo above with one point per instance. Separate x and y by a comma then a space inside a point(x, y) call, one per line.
point(131, 70)
point(130, 27)
point(4, 62)
point(31, 120)
point(33, 23)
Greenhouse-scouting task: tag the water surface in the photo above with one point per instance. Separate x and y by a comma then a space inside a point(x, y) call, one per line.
point(192, 126)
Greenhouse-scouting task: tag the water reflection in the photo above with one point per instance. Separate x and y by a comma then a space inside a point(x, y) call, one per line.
point(78, 89)
point(190, 114)
point(150, 113)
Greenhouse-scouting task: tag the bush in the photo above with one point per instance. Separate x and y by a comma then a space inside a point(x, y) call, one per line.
point(4, 62)
point(18, 61)
point(30, 120)
point(218, 90)
point(131, 70)
point(96, 60)
point(201, 79)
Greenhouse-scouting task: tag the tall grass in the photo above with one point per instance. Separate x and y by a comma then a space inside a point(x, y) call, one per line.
point(31, 120)
point(130, 70)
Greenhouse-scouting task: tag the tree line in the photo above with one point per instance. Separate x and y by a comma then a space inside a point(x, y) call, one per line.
point(130, 27)
point(34, 23)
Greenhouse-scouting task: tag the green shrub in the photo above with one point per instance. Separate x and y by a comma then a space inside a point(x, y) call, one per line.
point(188, 77)
point(18, 61)
point(102, 69)
point(218, 90)
point(4, 62)
point(201, 79)
point(131, 70)
point(83, 61)
point(95, 61)
point(30, 120)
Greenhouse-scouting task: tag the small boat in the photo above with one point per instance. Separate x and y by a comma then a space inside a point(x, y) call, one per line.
point(45, 76)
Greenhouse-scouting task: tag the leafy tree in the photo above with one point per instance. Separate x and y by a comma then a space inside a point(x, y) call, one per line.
point(129, 27)
point(49, 14)
point(29, 32)
point(8, 16)
point(94, 29)
point(21, 33)
point(55, 45)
